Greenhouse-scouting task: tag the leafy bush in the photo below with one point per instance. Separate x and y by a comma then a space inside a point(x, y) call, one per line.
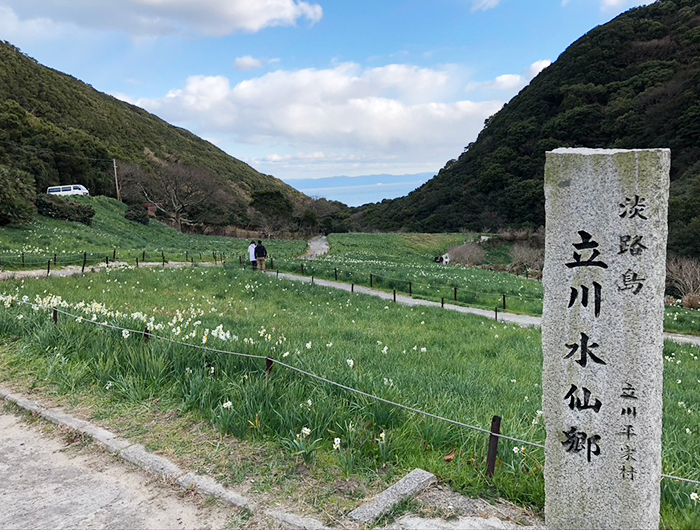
point(137, 213)
point(16, 197)
point(60, 208)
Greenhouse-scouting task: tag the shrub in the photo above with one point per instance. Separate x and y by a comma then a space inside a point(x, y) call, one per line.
point(683, 275)
point(16, 197)
point(525, 257)
point(60, 208)
point(468, 254)
point(691, 301)
point(137, 213)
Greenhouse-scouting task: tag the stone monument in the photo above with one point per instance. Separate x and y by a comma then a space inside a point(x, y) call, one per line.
point(602, 336)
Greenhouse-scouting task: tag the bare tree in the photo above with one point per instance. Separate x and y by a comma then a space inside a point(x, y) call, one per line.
point(176, 190)
point(683, 275)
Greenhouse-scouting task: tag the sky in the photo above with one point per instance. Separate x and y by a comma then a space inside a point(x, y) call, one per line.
point(312, 89)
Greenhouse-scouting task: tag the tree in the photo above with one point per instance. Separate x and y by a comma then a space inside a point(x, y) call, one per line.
point(176, 190)
point(16, 197)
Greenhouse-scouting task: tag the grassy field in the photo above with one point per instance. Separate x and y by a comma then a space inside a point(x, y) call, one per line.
point(388, 261)
point(463, 368)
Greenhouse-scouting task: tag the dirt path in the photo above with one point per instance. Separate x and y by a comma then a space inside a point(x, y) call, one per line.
point(318, 246)
point(47, 482)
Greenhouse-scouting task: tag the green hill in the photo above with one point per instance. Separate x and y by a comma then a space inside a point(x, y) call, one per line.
point(56, 129)
point(631, 83)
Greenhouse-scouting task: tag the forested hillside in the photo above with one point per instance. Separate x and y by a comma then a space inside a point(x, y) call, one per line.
point(56, 129)
point(632, 83)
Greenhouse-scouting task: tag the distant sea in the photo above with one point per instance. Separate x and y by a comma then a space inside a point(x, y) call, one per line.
point(356, 191)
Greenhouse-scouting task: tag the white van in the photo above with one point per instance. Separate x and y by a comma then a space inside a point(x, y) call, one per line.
point(73, 189)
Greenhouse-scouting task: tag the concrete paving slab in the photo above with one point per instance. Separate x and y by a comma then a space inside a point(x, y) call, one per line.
point(410, 485)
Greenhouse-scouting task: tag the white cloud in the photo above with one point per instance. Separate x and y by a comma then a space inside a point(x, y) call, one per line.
point(509, 84)
point(484, 5)
point(536, 67)
point(154, 18)
point(330, 113)
point(247, 63)
point(12, 28)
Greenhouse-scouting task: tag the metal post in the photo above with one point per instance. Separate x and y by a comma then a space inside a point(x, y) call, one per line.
point(352, 288)
point(496, 313)
point(394, 295)
point(55, 316)
point(272, 263)
point(106, 260)
point(54, 259)
point(442, 303)
point(336, 273)
point(143, 256)
point(22, 259)
point(493, 446)
point(84, 261)
point(114, 255)
point(410, 288)
point(455, 294)
point(504, 301)
point(48, 269)
point(137, 262)
point(302, 268)
point(187, 255)
point(371, 281)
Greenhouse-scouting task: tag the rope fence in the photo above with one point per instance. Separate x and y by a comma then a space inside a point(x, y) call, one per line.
point(494, 432)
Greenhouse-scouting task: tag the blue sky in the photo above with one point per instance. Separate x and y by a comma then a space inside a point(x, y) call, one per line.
point(315, 88)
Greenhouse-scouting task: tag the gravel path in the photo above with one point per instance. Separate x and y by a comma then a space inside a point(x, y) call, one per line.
point(318, 246)
point(49, 482)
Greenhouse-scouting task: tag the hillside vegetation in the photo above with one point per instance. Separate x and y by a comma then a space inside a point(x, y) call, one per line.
point(632, 83)
point(55, 129)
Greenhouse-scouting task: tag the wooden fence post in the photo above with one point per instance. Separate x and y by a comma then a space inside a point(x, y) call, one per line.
point(455, 294)
point(55, 316)
point(48, 269)
point(137, 262)
point(146, 335)
point(442, 303)
point(114, 255)
point(84, 261)
point(496, 313)
point(410, 288)
point(143, 256)
point(493, 446)
point(22, 259)
point(371, 281)
point(54, 259)
point(394, 295)
point(504, 301)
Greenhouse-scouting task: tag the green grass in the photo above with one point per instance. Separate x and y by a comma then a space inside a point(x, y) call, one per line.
point(110, 231)
point(460, 367)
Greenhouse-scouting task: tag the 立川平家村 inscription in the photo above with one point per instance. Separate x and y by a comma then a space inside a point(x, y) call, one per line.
point(602, 332)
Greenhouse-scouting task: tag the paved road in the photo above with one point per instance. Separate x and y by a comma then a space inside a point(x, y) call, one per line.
point(520, 320)
point(49, 483)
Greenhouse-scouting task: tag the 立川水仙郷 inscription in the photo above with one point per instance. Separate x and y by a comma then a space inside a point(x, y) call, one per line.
point(602, 332)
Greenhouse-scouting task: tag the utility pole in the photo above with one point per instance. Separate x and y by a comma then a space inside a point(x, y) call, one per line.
point(116, 181)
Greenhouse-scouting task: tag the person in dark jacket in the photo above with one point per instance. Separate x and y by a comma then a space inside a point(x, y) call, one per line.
point(260, 255)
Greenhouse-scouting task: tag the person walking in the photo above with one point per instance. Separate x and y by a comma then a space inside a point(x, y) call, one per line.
point(251, 254)
point(260, 255)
